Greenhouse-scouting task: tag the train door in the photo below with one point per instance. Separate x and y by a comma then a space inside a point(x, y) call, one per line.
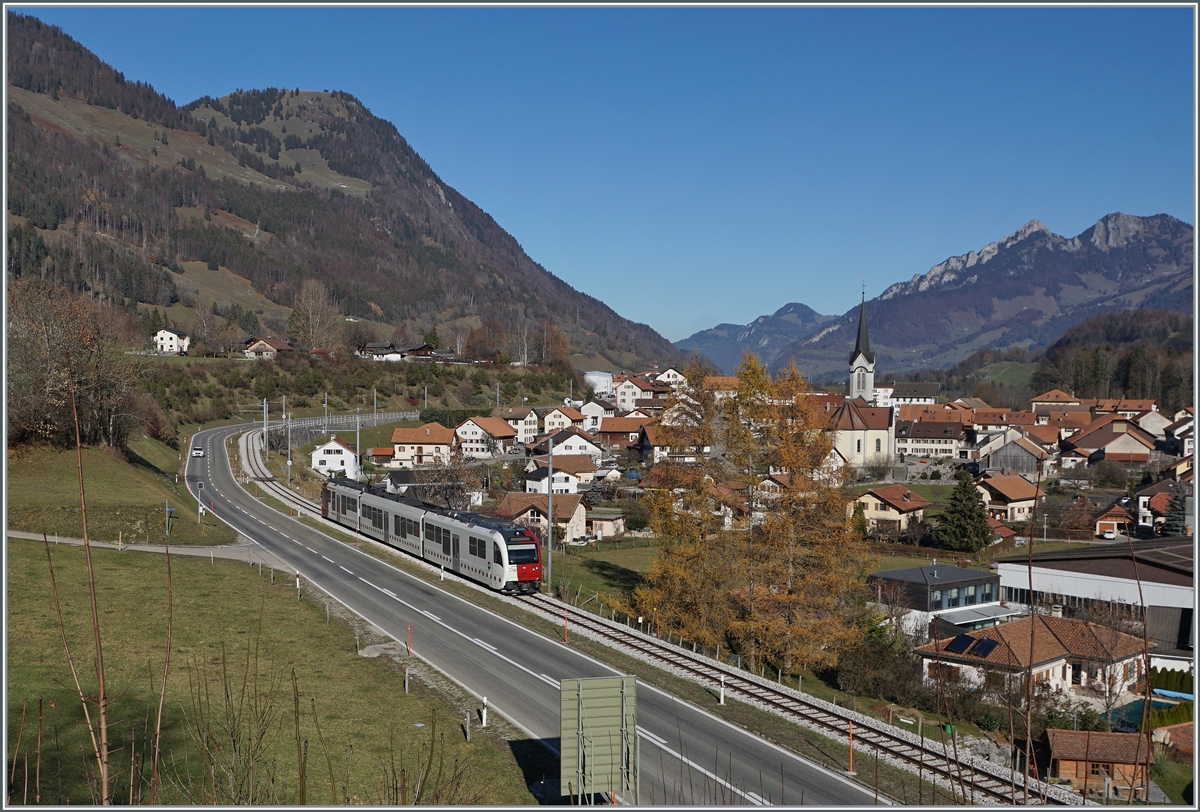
point(454, 544)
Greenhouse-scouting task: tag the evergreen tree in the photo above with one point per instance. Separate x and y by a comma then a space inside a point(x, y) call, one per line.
point(1176, 521)
point(963, 525)
point(431, 338)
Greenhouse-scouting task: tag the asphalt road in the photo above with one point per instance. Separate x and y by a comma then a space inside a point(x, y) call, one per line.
point(687, 756)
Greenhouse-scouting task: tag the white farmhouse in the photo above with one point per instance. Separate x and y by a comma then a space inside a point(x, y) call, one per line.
point(171, 342)
point(336, 458)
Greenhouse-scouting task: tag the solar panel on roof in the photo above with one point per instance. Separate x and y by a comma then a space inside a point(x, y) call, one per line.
point(960, 644)
point(984, 647)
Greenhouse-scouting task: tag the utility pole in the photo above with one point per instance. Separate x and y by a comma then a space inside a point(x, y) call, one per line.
point(357, 446)
point(375, 402)
point(266, 445)
point(326, 411)
point(550, 515)
point(497, 396)
point(426, 396)
point(289, 458)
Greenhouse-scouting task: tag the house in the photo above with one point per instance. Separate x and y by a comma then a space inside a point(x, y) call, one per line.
point(890, 511)
point(561, 417)
point(595, 411)
point(1000, 419)
point(963, 598)
point(336, 457)
point(266, 348)
point(603, 523)
point(1003, 533)
point(905, 394)
point(863, 434)
point(1097, 580)
point(1112, 437)
point(169, 341)
point(423, 484)
point(722, 386)
point(671, 377)
point(634, 388)
point(1007, 498)
point(931, 439)
point(1126, 407)
point(1177, 437)
point(417, 352)
point(567, 441)
point(582, 466)
point(321, 353)
point(618, 433)
point(654, 447)
point(531, 510)
point(1055, 397)
point(430, 444)
point(1154, 423)
point(540, 480)
point(522, 420)
point(485, 437)
point(1095, 762)
point(1059, 652)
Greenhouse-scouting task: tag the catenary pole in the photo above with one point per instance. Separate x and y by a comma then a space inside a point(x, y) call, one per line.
point(550, 514)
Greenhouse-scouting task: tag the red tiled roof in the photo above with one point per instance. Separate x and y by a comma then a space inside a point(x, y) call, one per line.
point(1053, 639)
point(516, 504)
point(496, 427)
point(900, 498)
point(429, 434)
point(1054, 396)
point(1010, 488)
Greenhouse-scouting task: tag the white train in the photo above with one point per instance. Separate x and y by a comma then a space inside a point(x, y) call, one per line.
point(499, 554)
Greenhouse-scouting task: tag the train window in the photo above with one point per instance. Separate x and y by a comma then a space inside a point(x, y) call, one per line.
point(499, 559)
point(471, 545)
point(430, 532)
point(414, 529)
point(445, 542)
point(523, 554)
point(353, 505)
point(398, 526)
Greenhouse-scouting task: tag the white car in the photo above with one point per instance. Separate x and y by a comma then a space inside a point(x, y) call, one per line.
point(1109, 534)
point(197, 451)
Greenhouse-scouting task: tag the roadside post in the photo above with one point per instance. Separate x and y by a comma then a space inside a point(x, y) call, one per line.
point(483, 720)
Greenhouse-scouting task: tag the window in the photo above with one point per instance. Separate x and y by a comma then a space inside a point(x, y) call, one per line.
point(952, 598)
point(878, 445)
point(935, 599)
point(496, 557)
point(970, 595)
point(987, 592)
point(859, 446)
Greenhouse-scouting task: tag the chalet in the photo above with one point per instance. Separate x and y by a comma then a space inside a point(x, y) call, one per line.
point(890, 511)
point(1007, 498)
point(561, 417)
point(430, 444)
point(618, 433)
point(1097, 763)
point(567, 441)
point(671, 377)
point(266, 348)
point(595, 411)
point(1058, 651)
point(417, 352)
point(381, 456)
point(522, 420)
point(485, 437)
point(336, 457)
point(1114, 518)
point(321, 353)
point(168, 341)
point(531, 510)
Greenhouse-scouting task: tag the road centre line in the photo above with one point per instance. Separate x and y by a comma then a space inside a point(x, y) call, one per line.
point(330, 560)
point(488, 646)
point(749, 796)
point(343, 569)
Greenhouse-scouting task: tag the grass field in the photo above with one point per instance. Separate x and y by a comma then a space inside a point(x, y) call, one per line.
point(126, 499)
point(228, 616)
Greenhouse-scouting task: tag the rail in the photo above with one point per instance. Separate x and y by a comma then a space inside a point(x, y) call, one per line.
point(970, 779)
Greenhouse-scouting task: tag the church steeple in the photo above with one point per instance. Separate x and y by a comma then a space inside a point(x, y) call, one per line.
point(862, 361)
point(862, 346)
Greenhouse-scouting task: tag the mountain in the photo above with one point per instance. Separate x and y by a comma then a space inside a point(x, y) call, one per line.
point(1025, 290)
point(765, 336)
point(113, 189)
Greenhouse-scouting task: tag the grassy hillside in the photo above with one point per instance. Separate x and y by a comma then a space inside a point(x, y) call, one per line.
point(126, 496)
point(228, 616)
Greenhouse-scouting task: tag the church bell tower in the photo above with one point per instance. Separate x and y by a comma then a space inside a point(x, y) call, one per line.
point(862, 361)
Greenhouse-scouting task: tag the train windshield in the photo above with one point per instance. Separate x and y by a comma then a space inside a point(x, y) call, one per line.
point(523, 554)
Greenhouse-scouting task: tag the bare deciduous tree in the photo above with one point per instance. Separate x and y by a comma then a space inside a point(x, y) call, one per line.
point(314, 316)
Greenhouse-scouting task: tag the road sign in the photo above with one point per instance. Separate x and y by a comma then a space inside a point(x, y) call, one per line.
point(598, 737)
point(199, 486)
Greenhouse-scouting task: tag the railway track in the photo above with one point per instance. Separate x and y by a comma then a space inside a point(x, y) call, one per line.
point(970, 780)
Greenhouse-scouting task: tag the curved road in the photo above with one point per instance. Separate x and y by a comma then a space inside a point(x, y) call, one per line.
point(687, 756)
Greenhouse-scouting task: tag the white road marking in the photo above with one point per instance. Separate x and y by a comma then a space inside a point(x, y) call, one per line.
point(656, 739)
point(330, 560)
point(310, 549)
point(487, 646)
point(343, 569)
point(749, 796)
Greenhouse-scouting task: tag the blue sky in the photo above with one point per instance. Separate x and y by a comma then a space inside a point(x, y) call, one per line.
point(692, 166)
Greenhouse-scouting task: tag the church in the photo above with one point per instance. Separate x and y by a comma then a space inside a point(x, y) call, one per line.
point(864, 425)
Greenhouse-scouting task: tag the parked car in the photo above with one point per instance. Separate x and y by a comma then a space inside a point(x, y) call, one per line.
point(1109, 534)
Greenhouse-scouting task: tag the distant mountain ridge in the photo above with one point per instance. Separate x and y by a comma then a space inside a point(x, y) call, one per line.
point(765, 336)
point(1025, 290)
point(326, 189)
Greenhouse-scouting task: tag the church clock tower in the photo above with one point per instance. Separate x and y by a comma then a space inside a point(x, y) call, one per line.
point(862, 361)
